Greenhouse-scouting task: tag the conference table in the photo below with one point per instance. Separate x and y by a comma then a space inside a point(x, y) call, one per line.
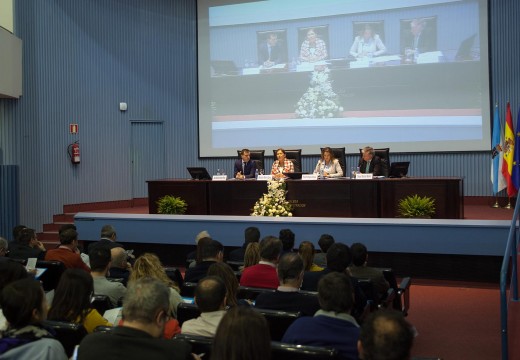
point(356, 198)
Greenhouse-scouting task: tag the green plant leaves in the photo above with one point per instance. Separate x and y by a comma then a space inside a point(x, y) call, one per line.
point(414, 206)
point(169, 204)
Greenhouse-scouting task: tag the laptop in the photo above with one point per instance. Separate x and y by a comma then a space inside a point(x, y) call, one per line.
point(464, 52)
point(294, 175)
point(199, 173)
point(224, 67)
point(399, 169)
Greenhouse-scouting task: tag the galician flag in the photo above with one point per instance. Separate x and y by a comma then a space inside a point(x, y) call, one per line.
point(497, 179)
point(516, 158)
point(508, 150)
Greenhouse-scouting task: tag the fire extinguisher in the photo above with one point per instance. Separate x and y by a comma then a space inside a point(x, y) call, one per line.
point(73, 151)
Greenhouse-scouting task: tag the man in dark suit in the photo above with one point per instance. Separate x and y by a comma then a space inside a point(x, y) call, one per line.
point(287, 297)
point(244, 167)
point(421, 38)
point(369, 163)
point(271, 51)
point(359, 270)
point(251, 234)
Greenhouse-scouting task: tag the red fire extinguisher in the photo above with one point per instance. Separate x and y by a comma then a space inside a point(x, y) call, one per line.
point(73, 151)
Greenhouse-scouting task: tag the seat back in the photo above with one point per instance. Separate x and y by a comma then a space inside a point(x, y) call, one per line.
point(295, 156)
point(52, 274)
point(175, 275)
point(199, 344)
point(279, 321)
point(235, 265)
point(188, 289)
point(402, 291)
point(250, 293)
point(384, 155)
point(186, 312)
point(367, 286)
point(283, 351)
point(68, 334)
point(101, 303)
point(339, 153)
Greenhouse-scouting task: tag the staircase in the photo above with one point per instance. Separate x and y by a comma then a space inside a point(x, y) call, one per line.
point(49, 237)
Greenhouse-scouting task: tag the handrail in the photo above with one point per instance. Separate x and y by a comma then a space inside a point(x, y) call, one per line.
point(510, 254)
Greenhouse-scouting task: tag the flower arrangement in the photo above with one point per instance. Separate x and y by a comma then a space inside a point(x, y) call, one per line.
point(319, 101)
point(273, 203)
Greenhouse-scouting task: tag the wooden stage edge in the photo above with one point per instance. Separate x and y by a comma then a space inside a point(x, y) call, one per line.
point(468, 250)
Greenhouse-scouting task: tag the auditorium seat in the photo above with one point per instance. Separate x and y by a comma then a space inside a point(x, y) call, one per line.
point(339, 153)
point(101, 303)
point(175, 275)
point(52, 274)
point(186, 312)
point(199, 344)
point(283, 351)
point(279, 321)
point(402, 291)
point(295, 156)
point(68, 334)
point(188, 289)
point(250, 293)
point(235, 265)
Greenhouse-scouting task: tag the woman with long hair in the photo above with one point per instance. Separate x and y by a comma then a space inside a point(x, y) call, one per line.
point(252, 255)
point(224, 271)
point(306, 251)
point(71, 302)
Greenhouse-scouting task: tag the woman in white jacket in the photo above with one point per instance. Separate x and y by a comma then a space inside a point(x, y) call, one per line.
point(328, 166)
point(368, 45)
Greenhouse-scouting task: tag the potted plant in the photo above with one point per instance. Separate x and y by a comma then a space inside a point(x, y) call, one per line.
point(171, 205)
point(415, 206)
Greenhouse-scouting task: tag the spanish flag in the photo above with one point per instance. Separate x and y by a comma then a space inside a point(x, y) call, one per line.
point(508, 151)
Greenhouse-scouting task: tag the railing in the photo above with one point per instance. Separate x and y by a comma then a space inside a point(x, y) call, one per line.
point(509, 262)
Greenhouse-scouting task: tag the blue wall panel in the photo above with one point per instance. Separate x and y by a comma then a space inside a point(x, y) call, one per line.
point(82, 58)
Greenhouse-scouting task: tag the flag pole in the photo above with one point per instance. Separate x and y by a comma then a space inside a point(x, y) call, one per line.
point(496, 205)
point(508, 206)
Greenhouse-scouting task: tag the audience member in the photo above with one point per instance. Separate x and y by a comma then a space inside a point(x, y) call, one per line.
point(313, 48)
point(325, 243)
point(287, 296)
point(271, 51)
point(359, 269)
point(210, 251)
point(370, 163)
point(25, 307)
point(191, 257)
point(251, 235)
point(68, 252)
point(145, 314)
point(281, 165)
point(27, 246)
point(227, 275)
point(252, 255)
point(9, 271)
point(263, 275)
point(306, 251)
point(210, 297)
point(120, 267)
point(72, 301)
point(244, 168)
point(242, 334)
point(332, 325)
point(100, 263)
point(385, 335)
point(108, 238)
point(4, 249)
point(367, 44)
point(338, 259)
point(149, 265)
point(17, 230)
point(287, 237)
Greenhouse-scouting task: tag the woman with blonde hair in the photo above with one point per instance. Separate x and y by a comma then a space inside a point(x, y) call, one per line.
point(252, 255)
point(306, 251)
point(228, 276)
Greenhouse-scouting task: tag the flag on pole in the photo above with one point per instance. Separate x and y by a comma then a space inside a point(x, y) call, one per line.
point(497, 179)
point(516, 158)
point(508, 151)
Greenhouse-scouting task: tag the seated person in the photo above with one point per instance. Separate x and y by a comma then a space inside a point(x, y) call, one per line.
point(324, 242)
point(332, 325)
point(287, 296)
point(313, 48)
point(271, 51)
point(369, 163)
point(328, 166)
point(210, 251)
point(251, 234)
point(367, 45)
point(245, 167)
point(191, 257)
point(421, 37)
point(306, 251)
point(263, 274)
point(71, 302)
point(120, 267)
point(359, 269)
point(24, 305)
point(68, 252)
point(100, 260)
point(10, 271)
point(26, 246)
point(210, 297)
point(281, 165)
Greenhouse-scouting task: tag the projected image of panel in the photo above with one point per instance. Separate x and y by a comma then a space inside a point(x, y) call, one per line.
point(423, 86)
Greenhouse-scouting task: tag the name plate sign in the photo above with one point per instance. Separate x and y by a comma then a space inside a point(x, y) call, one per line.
point(309, 176)
point(364, 176)
point(265, 177)
point(219, 177)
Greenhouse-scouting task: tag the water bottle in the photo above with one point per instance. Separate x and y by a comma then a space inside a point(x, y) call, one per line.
point(256, 174)
point(218, 171)
point(321, 173)
point(358, 171)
